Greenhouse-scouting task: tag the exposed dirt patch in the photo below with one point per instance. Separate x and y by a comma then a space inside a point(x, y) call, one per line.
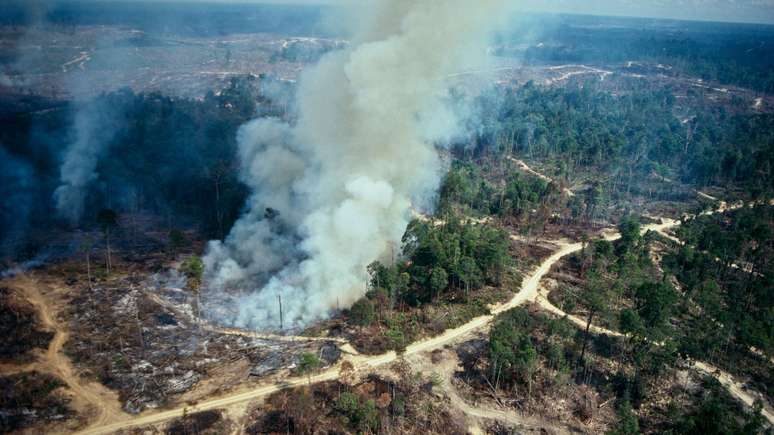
point(90, 400)
point(555, 398)
point(137, 333)
point(483, 412)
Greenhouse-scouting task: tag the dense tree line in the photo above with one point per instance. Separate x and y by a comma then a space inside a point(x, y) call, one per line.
point(727, 274)
point(444, 275)
point(176, 157)
point(452, 257)
point(170, 157)
point(626, 137)
point(729, 53)
point(467, 188)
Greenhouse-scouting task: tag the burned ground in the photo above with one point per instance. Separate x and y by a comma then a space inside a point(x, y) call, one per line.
point(20, 329)
point(143, 341)
point(31, 398)
point(200, 423)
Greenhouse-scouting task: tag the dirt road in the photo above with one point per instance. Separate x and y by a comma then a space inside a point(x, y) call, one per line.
point(361, 362)
point(87, 397)
point(528, 292)
point(734, 387)
point(525, 168)
point(445, 366)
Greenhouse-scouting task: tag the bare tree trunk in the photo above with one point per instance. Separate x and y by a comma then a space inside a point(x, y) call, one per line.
point(586, 335)
point(88, 269)
point(109, 262)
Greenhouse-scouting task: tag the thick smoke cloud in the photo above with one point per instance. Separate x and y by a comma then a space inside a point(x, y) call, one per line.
point(345, 176)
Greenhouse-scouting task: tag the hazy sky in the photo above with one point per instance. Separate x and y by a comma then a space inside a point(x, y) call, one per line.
point(716, 10)
point(756, 11)
point(760, 11)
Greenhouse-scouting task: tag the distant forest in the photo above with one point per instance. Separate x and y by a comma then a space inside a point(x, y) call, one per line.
point(206, 19)
point(728, 53)
point(177, 157)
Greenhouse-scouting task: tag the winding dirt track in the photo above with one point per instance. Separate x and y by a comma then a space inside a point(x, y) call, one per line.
point(734, 387)
point(87, 396)
point(448, 364)
point(525, 168)
point(528, 292)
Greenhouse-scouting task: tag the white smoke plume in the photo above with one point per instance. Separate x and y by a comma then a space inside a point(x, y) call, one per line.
point(93, 128)
point(345, 175)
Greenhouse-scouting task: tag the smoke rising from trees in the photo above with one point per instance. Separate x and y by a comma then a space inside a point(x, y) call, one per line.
point(93, 127)
point(345, 176)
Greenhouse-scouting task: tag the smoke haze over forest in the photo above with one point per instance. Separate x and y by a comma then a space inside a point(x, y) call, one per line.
point(143, 112)
point(387, 216)
point(344, 178)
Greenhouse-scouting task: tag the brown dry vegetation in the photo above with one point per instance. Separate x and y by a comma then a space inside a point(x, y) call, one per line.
point(143, 342)
point(394, 330)
point(20, 329)
point(401, 403)
point(31, 398)
point(559, 392)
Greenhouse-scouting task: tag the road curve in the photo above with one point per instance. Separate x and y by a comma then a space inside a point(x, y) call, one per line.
point(528, 292)
point(735, 388)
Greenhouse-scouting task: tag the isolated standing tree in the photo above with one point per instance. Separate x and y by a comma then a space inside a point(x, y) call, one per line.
point(630, 232)
point(526, 360)
point(627, 421)
point(86, 244)
point(362, 312)
point(193, 268)
point(219, 174)
point(655, 303)
point(108, 220)
point(309, 362)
